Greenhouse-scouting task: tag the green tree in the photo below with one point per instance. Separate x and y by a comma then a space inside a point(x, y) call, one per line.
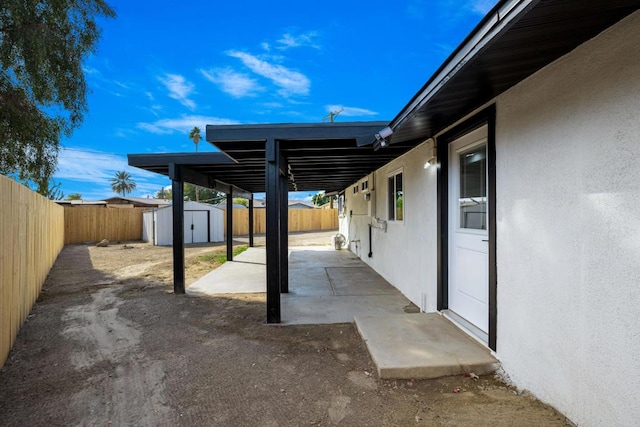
point(43, 45)
point(52, 192)
point(163, 193)
point(206, 194)
point(320, 199)
point(195, 136)
point(122, 183)
point(74, 196)
point(241, 201)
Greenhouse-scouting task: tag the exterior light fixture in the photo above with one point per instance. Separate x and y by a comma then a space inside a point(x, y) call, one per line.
point(381, 138)
point(431, 155)
point(429, 162)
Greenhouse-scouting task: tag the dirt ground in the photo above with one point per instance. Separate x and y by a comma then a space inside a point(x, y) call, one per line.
point(108, 343)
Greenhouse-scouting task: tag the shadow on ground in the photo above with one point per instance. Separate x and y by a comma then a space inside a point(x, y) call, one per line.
point(108, 343)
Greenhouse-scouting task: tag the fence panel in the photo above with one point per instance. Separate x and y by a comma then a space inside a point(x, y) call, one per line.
point(299, 220)
point(31, 237)
point(92, 224)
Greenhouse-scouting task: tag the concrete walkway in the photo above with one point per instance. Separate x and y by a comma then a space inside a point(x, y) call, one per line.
point(329, 286)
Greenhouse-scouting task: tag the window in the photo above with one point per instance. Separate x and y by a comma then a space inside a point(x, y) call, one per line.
point(473, 189)
point(341, 205)
point(395, 197)
point(355, 189)
point(365, 185)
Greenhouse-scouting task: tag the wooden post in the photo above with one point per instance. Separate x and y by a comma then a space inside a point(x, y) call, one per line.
point(251, 222)
point(272, 178)
point(284, 230)
point(230, 225)
point(177, 189)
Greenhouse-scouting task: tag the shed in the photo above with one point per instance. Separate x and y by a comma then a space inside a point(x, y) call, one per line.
point(202, 223)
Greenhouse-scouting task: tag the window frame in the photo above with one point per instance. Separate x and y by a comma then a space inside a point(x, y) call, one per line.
point(392, 192)
point(342, 204)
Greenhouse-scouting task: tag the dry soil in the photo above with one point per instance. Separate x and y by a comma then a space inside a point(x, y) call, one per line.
point(108, 343)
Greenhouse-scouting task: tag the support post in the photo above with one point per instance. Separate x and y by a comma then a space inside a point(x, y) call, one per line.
point(251, 222)
point(230, 225)
point(284, 229)
point(177, 191)
point(272, 178)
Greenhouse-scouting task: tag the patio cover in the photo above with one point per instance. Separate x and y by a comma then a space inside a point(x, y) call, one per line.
point(515, 39)
point(275, 159)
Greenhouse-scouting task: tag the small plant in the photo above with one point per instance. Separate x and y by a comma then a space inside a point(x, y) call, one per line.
point(221, 256)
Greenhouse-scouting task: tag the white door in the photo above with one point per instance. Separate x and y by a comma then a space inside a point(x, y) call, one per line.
point(196, 229)
point(468, 234)
point(200, 227)
point(188, 227)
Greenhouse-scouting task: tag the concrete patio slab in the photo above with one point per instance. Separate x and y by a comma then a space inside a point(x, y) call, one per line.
point(421, 346)
point(245, 274)
point(328, 286)
point(325, 286)
point(338, 309)
point(358, 281)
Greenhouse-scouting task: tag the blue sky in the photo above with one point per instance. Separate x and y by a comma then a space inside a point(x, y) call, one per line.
point(163, 67)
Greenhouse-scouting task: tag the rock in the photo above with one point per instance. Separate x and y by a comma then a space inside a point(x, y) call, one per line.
point(102, 243)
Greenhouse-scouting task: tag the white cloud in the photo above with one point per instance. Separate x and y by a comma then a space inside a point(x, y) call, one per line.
point(182, 124)
point(482, 6)
point(290, 82)
point(289, 40)
point(97, 168)
point(351, 111)
point(235, 84)
point(91, 71)
point(179, 89)
point(272, 105)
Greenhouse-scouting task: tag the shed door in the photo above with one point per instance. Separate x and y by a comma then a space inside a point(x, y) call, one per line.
point(196, 227)
point(200, 227)
point(188, 227)
point(468, 234)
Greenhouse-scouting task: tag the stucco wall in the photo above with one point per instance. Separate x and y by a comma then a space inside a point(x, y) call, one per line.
point(405, 255)
point(568, 230)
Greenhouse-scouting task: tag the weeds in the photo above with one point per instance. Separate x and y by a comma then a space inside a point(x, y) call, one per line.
point(220, 257)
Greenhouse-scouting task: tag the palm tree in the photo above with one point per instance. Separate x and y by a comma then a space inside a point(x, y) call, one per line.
point(195, 135)
point(122, 183)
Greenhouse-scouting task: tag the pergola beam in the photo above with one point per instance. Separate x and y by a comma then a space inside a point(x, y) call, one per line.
point(362, 133)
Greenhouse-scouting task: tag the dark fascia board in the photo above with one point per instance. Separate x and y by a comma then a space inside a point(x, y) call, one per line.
point(164, 159)
point(362, 132)
point(194, 177)
point(496, 24)
point(492, 25)
point(177, 167)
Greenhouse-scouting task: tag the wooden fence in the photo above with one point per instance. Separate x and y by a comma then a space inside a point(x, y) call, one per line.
point(299, 220)
point(31, 237)
point(92, 224)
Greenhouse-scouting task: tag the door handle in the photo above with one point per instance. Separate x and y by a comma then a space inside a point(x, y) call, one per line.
point(485, 240)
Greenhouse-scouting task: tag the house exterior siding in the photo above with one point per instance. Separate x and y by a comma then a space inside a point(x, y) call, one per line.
point(404, 254)
point(568, 227)
point(568, 230)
